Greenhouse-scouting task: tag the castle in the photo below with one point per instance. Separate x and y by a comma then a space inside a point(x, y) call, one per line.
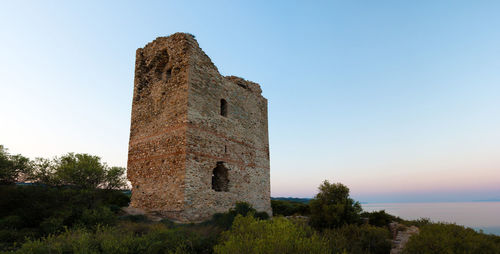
point(198, 140)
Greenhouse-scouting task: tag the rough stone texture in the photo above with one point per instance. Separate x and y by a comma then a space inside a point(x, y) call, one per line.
point(401, 236)
point(178, 136)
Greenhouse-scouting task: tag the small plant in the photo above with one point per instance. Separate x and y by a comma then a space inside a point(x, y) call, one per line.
point(225, 220)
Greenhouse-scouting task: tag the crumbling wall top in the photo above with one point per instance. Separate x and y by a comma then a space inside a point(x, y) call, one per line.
point(252, 86)
point(176, 38)
point(184, 46)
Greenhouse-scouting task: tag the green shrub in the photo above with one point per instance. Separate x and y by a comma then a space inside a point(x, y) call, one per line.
point(99, 216)
point(11, 222)
point(450, 238)
point(279, 235)
point(332, 207)
point(225, 220)
point(12, 239)
point(135, 228)
point(158, 239)
point(418, 223)
point(52, 225)
point(288, 208)
point(135, 218)
point(358, 239)
point(36, 211)
point(380, 218)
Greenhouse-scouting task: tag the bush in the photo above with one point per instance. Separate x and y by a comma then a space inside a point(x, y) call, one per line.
point(250, 235)
point(225, 220)
point(358, 239)
point(97, 217)
point(11, 222)
point(51, 225)
point(450, 238)
point(380, 218)
point(288, 208)
point(12, 239)
point(158, 239)
point(135, 218)
point(418, 223)
point(35, 211)
point(332, 207)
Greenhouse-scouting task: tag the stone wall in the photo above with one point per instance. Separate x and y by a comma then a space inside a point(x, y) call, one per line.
point(179, 136)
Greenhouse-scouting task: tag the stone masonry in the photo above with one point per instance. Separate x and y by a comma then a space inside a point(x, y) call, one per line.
point(198, 140)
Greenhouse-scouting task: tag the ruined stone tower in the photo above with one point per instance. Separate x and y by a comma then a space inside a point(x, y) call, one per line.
point(198, 140)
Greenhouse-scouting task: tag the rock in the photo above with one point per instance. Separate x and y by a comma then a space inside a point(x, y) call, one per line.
point(401, 235)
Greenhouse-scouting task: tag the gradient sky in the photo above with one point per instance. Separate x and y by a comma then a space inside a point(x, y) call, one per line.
point(398, 100)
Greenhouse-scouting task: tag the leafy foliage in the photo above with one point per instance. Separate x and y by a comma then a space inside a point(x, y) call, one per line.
point(332, 207)
point(358, 239)
point(157, 239)
point(12, 167)
point(81, 170)
point(250, 235)
point(288, 208)
point(44, 172)
point(74, 209)
point(35, 211)
point(114, 178)
point(225, 220)
point(380, 218)
point(450, 238)
point(418, 223)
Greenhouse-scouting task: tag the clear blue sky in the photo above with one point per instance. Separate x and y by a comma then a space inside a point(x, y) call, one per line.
point(399, 100)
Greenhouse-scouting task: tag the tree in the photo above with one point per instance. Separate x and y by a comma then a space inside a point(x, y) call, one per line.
point(82, 170)
point(12, 167)
point(44, 171)
point(114, 178)
point(88, 172)
point(332, 207)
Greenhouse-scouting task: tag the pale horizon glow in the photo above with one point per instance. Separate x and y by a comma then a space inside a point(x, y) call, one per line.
point(400, 101)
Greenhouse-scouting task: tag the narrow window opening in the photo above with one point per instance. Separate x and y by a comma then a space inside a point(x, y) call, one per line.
point(220, 179)
point(223, 107)
point(168, 74)
point(225, 149)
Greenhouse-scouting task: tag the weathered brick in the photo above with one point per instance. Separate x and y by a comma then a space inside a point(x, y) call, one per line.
point(180, 133)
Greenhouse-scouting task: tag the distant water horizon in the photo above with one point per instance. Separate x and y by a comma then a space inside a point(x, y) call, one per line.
point(479, 215)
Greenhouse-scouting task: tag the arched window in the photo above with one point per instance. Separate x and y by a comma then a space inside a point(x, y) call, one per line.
point(220, 179)
point(223, 107)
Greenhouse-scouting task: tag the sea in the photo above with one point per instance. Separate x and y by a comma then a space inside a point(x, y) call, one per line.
point(483, 216)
